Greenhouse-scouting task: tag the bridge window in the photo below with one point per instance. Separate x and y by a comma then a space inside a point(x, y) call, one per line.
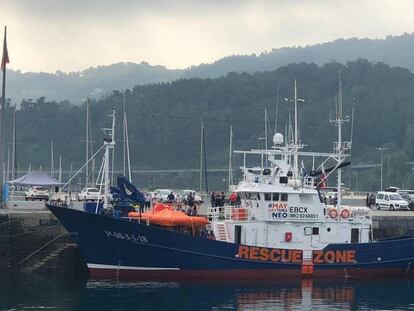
point(283, 197)
point(267, 196)
point(275, 196)
point(251, 195)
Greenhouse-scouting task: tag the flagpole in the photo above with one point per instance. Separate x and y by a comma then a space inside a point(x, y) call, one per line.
point(4, 61)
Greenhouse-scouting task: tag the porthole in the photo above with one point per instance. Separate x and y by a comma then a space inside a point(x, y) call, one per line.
point(329, 229)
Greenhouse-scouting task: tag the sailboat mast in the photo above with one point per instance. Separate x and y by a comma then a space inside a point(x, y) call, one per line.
point(60, 168)
point(13, 168)
point(230, 158)
point(87, 143)
point(5, 60)
point(277, 105)
point(201, 154)
point(51, 159)
point(8, 164)
point(127, 150)
point(124, 133)
point(265, 125)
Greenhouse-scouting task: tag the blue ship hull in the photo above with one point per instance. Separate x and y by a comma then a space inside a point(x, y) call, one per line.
point(127, 250)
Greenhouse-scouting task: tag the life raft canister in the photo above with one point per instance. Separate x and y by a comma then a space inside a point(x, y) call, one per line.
point(333, 213)
point(345, 214)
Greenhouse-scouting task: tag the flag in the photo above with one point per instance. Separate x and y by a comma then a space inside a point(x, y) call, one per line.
point(5, 59)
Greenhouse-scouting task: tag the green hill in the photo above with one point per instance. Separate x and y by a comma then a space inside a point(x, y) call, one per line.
point(164, 120)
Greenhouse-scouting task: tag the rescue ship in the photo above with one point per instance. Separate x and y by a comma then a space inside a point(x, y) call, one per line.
point(281, 228)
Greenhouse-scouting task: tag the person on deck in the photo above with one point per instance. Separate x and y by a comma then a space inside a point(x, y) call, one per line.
point(147, 201)
point(190, 200)
point(171, 197)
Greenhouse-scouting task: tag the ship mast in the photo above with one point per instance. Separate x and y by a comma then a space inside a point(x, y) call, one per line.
point(109, 144)
point(295, 146)
point(340, 148)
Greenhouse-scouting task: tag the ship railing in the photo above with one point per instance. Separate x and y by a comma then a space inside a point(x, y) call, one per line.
point(230, 212)
point(309, 182)
point(216, 213)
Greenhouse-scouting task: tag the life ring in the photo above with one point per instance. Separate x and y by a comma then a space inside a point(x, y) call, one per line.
point(345, 214)
point(333, 213)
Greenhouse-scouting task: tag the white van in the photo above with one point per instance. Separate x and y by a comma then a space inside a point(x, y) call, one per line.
point(390, 200)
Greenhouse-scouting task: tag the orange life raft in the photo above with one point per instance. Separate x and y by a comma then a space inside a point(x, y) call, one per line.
point(165, 215)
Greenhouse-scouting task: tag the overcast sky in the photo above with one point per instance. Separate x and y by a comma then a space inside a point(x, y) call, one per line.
point(71, 35)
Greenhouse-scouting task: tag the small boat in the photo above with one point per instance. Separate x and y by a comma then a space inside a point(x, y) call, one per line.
point(282, 228)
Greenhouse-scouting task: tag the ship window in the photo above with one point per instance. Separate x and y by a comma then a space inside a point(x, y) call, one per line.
point(329, 229)
point(283, 197)
point(275, 196)
point(267, 196)
point(315, 230)
point(252, 196)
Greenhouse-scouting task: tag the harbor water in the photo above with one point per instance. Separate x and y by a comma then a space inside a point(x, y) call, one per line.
point(63, 292)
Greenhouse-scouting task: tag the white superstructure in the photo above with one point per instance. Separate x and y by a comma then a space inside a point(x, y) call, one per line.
point(281, 207)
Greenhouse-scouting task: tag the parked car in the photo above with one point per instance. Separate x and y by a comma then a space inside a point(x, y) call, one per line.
point(37, 193)
point(90, 194)
point(390, 200)
point(409, 197)
point(185, 193)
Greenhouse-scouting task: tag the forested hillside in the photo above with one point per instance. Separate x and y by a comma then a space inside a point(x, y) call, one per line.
point(95, 82)
point(164, 120)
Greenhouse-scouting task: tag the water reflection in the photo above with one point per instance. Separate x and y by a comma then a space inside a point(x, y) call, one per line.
point(64, 292)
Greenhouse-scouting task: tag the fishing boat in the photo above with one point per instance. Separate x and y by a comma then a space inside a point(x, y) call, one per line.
point(282, 227)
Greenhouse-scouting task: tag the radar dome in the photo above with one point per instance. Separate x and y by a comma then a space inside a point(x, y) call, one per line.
point(278, 139)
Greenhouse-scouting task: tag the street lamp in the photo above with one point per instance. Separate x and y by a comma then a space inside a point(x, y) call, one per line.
point(381, 150)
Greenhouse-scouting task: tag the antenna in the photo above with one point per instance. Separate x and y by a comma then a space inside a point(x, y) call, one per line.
point(352, 119)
